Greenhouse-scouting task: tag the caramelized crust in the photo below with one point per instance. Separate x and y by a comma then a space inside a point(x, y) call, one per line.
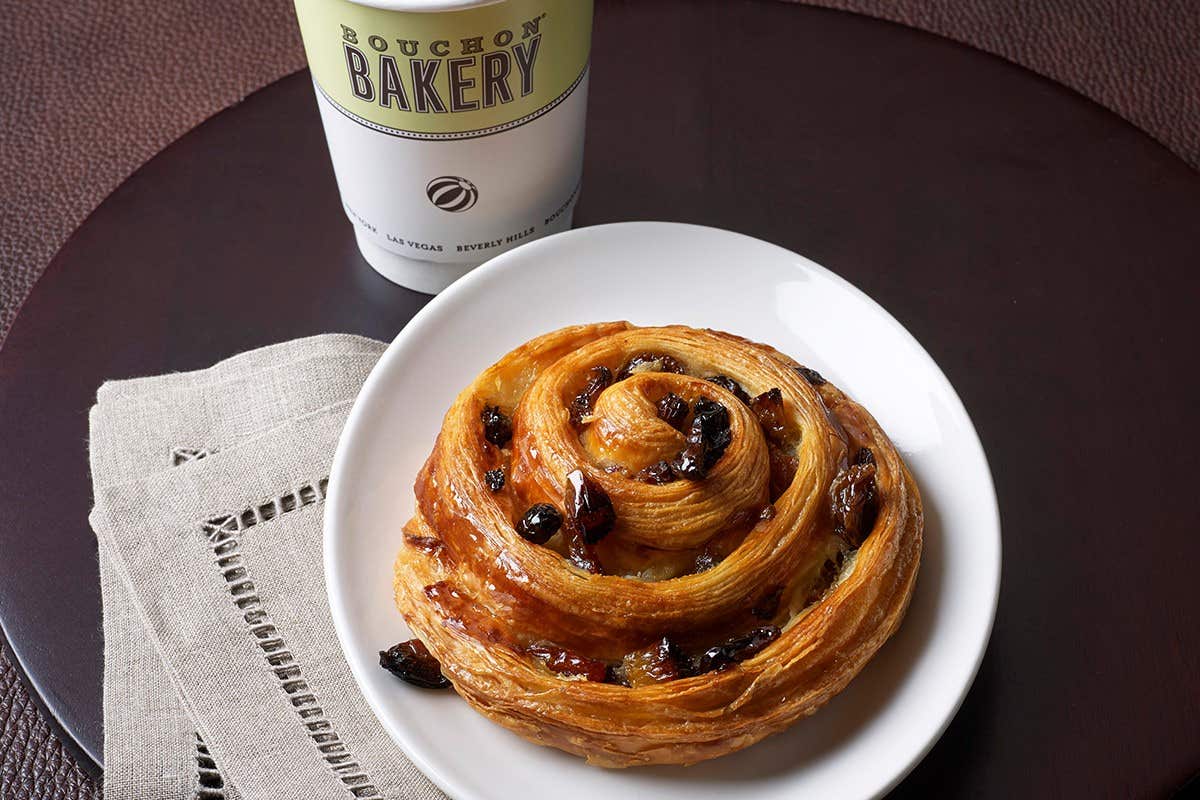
point(688, 564)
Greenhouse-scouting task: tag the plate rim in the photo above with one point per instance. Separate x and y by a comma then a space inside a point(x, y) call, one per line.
point(492, 269)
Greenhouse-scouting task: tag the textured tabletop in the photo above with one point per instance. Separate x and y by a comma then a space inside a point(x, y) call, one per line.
point(67, 142)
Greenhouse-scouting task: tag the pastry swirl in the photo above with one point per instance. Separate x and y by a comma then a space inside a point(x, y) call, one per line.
point(656, 545)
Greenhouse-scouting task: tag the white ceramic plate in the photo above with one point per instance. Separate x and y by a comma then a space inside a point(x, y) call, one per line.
point(863, 741)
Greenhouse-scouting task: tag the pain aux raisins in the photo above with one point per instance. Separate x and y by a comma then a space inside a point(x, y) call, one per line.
point(599, 379)
point(412, 662)
point(497, 427)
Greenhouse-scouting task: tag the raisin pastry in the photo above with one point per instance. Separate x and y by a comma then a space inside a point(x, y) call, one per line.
point(654, 545)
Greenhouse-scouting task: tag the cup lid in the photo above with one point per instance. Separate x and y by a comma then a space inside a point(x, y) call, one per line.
point(425, 5)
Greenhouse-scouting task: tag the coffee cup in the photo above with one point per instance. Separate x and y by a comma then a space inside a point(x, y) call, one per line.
point(455, 127)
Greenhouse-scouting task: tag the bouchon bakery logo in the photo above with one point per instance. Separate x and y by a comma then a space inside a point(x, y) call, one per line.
point(441, 76)
point(452, 193)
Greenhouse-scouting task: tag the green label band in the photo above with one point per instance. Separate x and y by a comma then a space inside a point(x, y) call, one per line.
point(449, 75)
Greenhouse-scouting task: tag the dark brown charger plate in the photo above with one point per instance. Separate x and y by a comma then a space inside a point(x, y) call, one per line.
point(1042, 250)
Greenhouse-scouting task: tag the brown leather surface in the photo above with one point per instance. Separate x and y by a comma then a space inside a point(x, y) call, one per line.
point(91, 90)
point(1138, 58)
point(33, 763)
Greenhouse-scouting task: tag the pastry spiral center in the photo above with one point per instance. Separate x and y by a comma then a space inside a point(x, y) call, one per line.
point(625, 435)
point(625, 429)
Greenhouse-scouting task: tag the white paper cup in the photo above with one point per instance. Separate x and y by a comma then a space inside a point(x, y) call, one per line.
point(455, 127)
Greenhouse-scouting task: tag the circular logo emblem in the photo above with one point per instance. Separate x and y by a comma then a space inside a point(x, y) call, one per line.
point(452, 193)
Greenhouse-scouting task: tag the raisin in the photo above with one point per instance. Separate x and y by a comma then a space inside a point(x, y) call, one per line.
point(711, 420)
point(768, 409)
point(854, 503)
point(426, 544)
point(710, 425)
point(567, 662)
point(616, 674)
point(716, 450)
point(649, 362)
point(445, 594)
point(579, 552)
point(783, 469)
point(497, 427)
point(711, 660)
point(707, 438)
point(657, 474)
point(730, 385)
point(599, 379)
point(494, 478)
point(690, 461)
point(864, 456)
point(812, 376)
point(590, 508)
point(412, 662)
point(825, 578)
point(754, 642)
point(661, 661)
point(732, 651)
point(767, 512)
point(768, 605)
point(540, 522)
point(673, 410)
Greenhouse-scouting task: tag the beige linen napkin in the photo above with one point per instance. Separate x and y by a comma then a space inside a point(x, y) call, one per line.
point(223, 677)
